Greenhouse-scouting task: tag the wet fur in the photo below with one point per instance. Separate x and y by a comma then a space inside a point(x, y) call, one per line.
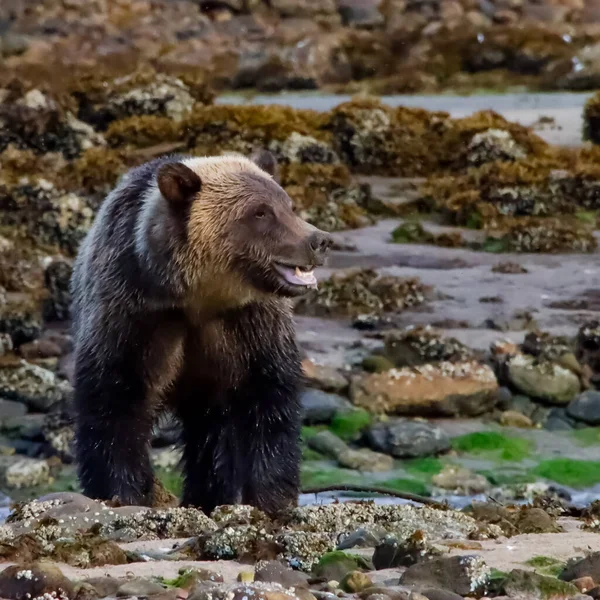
point(160, 320)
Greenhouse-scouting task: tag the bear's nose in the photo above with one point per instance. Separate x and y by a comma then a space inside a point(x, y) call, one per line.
point(320, 242)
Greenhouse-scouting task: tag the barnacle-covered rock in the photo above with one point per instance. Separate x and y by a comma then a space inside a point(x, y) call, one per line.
point(36, 210)
point(421, 345)
point(362, 291)
point(36, 122)
point(303, 149)
point(444, 389)
point(491, 145)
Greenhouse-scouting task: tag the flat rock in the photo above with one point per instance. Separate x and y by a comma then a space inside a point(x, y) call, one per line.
point(320, 407)
point(323, 377)
point(445, 389)
point(586, 408)
point(465, 575)
point(139, 587)
point(277, 572)
point(10, 409)
point(362, 459)
point(404, 438)
point(528, 585)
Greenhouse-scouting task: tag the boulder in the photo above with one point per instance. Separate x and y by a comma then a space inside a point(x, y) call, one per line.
point(404, 438)
point(446, 389)
point(544, 380)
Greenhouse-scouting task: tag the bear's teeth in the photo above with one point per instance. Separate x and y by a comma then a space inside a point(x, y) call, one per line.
point(307, 276)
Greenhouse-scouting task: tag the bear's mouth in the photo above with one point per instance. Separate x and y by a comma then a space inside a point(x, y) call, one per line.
point(297, 275)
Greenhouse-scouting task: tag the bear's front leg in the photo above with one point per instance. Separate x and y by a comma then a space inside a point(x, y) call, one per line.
point(211, 453)
point(269, 422)
point(113, 424)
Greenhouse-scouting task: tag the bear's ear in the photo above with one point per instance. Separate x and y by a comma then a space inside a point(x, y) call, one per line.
point(177, 183)
point(265, 160)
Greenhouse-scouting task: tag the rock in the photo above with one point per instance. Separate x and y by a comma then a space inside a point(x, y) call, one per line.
point(393, 553)
point(299, 148)
point(558, 420)
point(139, 587)
point(27, 472)
point(257, 590)
point(329, 444)
point(403, 438)
point(104, 586)
point(375, 363)
point(28, 426)
point(188, 578)
point(586, 408)
point(446, 389)
point(363, 537)
point(355, 581)
point(245, 576)
point(166, 96)
point(461, 481)
point(587, 347)
point(357, 291)
point(39, 580)
point(321, 407)
point(423, 345)
point(49, 216)
point(20, 320)
point(336, 565)
point(437, 594)
point(323, 377)
point(361, 13)
point(584, 584)
point(35, 122)
point(524, 405)
point(513, 521)
point(528, 584)
point(588, 566)
point(509, 268)
point(462, 575)
point(513, 418)
point(37, 387)
point(306, 8)
point(277, 572)
point(40, 349)
point(544, 380)
point(57, 277)
point(10, 409)
point(13, 44)
point(493, 145)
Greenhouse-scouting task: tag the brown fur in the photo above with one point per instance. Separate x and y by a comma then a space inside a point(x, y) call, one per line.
point(177, 302)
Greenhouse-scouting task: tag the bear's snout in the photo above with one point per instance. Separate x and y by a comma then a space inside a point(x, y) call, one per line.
point(320, 243)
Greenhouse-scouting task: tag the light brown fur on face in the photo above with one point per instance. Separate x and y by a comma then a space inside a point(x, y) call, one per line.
point(229, 185)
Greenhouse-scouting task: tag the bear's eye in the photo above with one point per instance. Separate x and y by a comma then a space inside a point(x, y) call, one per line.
point(260, 214)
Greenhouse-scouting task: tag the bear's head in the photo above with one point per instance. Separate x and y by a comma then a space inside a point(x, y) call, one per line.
point(241, 230)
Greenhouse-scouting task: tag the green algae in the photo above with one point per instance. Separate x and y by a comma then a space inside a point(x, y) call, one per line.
point(571, 472)
point(349, 425)
point(493, 445)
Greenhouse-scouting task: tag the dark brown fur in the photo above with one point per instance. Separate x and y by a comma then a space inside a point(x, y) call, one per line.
point(176, 305)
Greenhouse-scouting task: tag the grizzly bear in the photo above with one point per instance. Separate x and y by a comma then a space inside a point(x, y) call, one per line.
point(182, 300)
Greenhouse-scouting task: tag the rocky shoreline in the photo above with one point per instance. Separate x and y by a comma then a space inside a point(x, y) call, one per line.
point(396, 46)
point(68, 546)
